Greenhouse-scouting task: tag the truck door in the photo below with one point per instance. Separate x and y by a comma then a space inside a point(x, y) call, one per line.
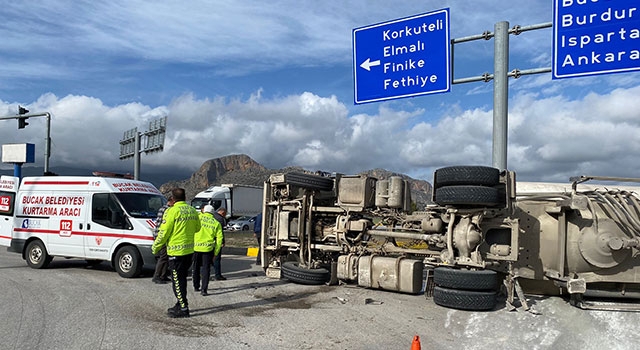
point(7, 207)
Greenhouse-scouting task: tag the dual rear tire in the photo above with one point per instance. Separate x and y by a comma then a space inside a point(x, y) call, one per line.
point(467, 186)
point(465, 289)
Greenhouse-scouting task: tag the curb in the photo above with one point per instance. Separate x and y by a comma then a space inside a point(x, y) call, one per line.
point(250, 251)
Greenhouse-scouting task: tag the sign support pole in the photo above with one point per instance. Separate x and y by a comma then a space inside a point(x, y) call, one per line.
point(47, 145)
point(500, 94)
point(131, 143)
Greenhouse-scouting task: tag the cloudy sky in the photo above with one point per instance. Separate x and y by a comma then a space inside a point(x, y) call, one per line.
point(274, 80)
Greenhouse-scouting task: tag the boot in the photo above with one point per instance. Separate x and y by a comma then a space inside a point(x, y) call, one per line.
point(173, 309)
point(180, 313)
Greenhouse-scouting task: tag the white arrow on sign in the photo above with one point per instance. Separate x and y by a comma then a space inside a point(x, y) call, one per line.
point(368, 64)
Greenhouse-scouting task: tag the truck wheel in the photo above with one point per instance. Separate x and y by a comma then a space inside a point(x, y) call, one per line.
point(465, 299)
point(466, 175)
point(128, 262)
point(292, 271)
point(465, 279)
point(467, 195)
point(37, 256)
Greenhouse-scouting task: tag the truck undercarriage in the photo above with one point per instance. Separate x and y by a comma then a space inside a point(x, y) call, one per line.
point(477, 237)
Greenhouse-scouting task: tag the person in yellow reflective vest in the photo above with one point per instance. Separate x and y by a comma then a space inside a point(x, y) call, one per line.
point(177, 230)
point(207, 244)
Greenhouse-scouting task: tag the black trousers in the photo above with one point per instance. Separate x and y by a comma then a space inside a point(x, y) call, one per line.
point(202, 269)
point(179, 267)
point(259, 244)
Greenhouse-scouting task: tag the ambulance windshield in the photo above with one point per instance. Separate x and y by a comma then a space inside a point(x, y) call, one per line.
point(141, 205)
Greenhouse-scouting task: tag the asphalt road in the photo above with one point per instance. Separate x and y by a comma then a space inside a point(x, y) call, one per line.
point(72, 306)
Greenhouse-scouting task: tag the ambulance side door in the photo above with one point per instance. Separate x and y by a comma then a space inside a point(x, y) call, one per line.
point(64, 223)
point(105, 226)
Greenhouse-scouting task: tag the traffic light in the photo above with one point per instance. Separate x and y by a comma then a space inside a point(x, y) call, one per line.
point(22, 121)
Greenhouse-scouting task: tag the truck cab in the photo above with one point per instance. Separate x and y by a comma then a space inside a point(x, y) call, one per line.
point(237, 199)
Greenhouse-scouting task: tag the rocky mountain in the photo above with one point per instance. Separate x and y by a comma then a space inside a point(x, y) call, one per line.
point(241, 169)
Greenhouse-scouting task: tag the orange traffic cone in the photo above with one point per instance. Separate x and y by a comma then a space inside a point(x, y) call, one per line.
point(415, 345)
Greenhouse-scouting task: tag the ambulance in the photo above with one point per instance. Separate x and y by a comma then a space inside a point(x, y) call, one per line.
point(92, 218)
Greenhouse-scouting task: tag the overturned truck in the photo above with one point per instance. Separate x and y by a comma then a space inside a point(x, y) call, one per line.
point(483, 233)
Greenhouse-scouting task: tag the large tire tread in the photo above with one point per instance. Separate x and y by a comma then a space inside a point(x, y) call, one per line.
point(465, 299)
point(466, 175)
point(293, 272)
point(467, 195)
point(465, 279)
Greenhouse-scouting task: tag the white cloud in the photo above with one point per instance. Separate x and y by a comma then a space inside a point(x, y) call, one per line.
point(550, 138)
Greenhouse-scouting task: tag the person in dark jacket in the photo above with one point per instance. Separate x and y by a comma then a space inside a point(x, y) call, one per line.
point(220, 215)
point(161, 274)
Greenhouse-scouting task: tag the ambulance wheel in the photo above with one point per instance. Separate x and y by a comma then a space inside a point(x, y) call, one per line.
point(128, 262)
point(37, 256)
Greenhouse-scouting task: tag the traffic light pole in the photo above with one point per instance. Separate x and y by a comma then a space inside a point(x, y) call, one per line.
point(47, 141)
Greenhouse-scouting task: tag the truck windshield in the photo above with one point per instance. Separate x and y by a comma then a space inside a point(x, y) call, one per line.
point(199, 202)
point(141, 205)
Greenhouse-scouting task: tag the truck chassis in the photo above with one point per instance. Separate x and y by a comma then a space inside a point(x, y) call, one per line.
point(477, 238)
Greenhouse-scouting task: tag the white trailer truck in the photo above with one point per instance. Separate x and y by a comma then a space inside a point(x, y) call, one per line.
point(481, 235)
point(237, 199)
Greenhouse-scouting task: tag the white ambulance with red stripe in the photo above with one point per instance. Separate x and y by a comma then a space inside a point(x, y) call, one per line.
point(92, 218)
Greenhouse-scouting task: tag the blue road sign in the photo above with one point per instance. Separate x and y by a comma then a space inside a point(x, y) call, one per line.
point(595, 37)
point(405, 57)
